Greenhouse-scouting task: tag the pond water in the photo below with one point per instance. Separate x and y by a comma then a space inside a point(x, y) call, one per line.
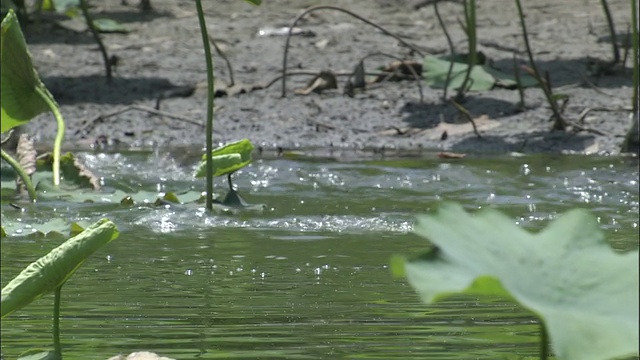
point(308, 277)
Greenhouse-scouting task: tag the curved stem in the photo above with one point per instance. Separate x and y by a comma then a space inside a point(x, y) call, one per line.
point(21, 173)
point(451, 47)
point(57, 145)
point(56, 323)
point(559, 123)
point(612, 32)
point(470, 16)
point(209, 127)
point(96, 36)
point(330, 7)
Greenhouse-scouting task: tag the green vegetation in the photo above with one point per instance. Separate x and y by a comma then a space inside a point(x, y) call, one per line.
point(586, 311)
point(23, 94)
point(589, 312)
point(51, 271)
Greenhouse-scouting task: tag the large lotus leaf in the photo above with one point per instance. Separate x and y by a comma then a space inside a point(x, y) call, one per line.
point(482, 77)
point(586, 294)
point(254, 2)
point(21, 91)
point(53, 269)
point(227, 158)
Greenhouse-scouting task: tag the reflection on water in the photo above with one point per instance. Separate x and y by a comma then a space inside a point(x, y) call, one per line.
point(308, 278)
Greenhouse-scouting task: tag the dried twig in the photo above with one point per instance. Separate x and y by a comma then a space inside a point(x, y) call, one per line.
point(224, 57)
point(330, 7)
point(88, 125)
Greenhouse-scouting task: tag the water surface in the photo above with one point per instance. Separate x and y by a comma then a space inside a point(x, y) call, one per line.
point(307, 278)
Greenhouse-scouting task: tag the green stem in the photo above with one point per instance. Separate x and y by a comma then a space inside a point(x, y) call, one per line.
point(21, 173)
point(612, 32)
point(103, 50)
point(544, 342)
point(451, 47)
point(634, 41)
point(209, 127)
point(470, 16)
point(559, 123)
point(56, 323)
point(57, 145)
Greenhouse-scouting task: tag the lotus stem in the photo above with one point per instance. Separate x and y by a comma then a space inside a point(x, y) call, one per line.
point(612, 32)
point(57, 145)
point(559, 123)
point(544, 342)
point(634, 40)
point(470, 17)
point(56, 323)
point(103, 50)
point(516, 71)
point(21, 173)
point(210, 104)
point(451, 47)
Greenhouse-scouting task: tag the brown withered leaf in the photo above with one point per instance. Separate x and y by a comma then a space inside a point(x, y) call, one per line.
point(236, 89)
point(323, 81)
point(451, 155)
point(359, 81)
point(73, 169)
point(26, 154)
point(401, 70)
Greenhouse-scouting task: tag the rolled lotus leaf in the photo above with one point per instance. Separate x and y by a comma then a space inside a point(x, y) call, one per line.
point(53, 269)
point(227, 158)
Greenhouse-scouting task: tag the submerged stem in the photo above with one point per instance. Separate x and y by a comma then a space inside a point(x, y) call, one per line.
point(56, 323)
point(209, 127)
point(544, 342)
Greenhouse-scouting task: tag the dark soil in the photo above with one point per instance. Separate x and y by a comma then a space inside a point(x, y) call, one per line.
point(162, 57)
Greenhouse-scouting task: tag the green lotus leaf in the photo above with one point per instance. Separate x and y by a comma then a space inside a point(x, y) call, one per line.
point(227, 158)
point(53, 269)
point(254, 2)
point(482, 77)
point(22, 91)
point(585, 293)
point(109, 26)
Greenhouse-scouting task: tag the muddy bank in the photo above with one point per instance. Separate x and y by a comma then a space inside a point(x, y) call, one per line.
point(162, 55)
